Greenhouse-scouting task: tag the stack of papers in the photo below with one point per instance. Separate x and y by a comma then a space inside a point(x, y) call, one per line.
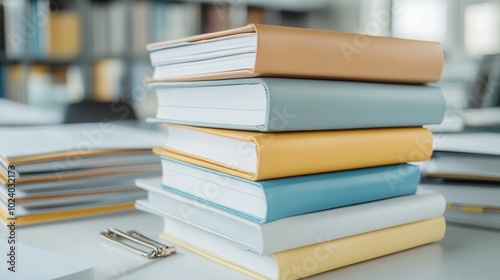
point(465, 168)
point(64, 171)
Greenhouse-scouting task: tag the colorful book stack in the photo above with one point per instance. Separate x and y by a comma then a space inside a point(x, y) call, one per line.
point(283, 158)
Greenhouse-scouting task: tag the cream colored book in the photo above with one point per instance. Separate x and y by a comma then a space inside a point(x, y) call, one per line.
point(308, 260)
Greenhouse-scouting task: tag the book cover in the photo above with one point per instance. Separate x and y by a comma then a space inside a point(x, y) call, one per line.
point(281, 104)
point(295, 263)
point(267, 238)
point(259, 156)
point(322, 54)
point(269, 200)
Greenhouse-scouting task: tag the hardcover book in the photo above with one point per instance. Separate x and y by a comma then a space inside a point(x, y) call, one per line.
point(267, 238)
point(280, 104)
point(295, 263)
point(269, 200)
point(260, 156)
point(264, 50)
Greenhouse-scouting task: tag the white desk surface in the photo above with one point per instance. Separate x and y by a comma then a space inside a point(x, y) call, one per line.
point(464, 253)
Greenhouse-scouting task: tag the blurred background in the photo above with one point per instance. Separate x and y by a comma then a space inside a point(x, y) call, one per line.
point(57, 52)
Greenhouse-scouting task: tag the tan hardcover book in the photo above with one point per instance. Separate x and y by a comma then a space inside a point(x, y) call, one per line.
point(265, 50)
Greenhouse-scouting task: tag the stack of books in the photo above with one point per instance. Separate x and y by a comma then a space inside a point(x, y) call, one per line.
point(55, 172)
point(283, 158)
point(465, 169)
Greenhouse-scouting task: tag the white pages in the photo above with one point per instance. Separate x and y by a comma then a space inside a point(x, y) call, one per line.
point(224, 150)
point(240, 105)
point(230, 53)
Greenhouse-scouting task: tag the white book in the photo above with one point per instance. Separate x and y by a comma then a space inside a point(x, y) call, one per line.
point(314, 227)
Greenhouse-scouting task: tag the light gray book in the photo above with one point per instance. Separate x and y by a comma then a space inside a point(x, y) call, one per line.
point(283, 104)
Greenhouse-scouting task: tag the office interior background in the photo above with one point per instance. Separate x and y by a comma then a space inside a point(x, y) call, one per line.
point(57, 52)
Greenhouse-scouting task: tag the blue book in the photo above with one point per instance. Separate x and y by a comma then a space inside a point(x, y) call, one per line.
point(284, 104)
point(270, 200)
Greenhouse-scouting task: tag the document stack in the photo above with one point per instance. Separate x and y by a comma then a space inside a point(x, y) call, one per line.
point(287, 150)
point(55, 172)
point(465, 169)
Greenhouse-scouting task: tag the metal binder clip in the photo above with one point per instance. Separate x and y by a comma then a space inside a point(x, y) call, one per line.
point(158, 250)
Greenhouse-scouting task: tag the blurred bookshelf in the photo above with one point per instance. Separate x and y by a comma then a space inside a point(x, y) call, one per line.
point(55, 52)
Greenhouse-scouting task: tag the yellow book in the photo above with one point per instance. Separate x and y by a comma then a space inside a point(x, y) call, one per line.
point(309, 260)
point(64, 34)
point(258, 156)
point(14, 83)
point(107, 75)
